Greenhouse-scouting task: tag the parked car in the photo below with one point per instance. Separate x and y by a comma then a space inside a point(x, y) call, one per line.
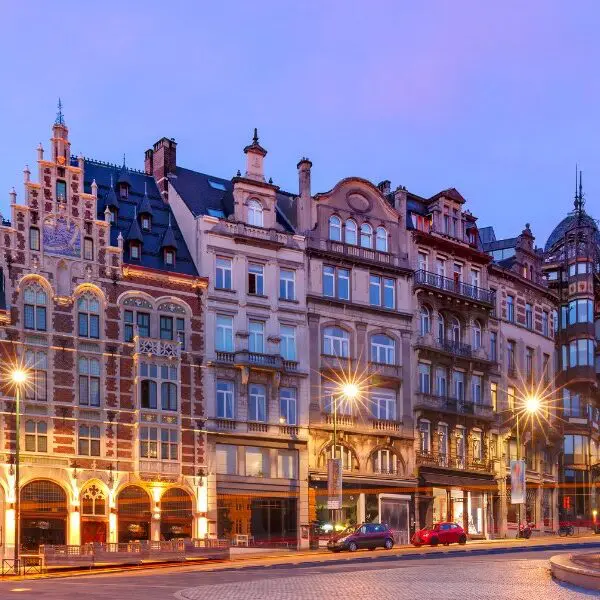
point(367, 535)
point(442, 533)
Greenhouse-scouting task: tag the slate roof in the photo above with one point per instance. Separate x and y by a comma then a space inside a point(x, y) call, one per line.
point(151, 255)
point(571, 221)
point(208, 195)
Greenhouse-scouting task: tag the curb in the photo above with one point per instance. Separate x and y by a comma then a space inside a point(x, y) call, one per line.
point(564, 569)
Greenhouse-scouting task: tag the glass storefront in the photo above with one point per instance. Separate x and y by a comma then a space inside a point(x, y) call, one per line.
point(133, 507)
point(176, 518)
point(462, 507)
point(266, 520)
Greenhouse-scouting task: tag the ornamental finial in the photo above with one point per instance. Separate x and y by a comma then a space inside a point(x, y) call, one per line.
point(60, 119)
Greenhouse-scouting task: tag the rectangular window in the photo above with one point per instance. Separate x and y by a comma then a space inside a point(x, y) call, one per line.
point(224, 333)
point(545, 327)
point(510, 397)
point(424, 378)
point(510, 308)
point(134, 251)
point(89, 381)
point(255, 463)
point(383, 404)
point(287, 406)
point(149, 393)
point(476, 389)
point(441, 382)
point(154, 438)
point(88, 249)
point(257, 404)
point(425, 436)
point(287, 464)
point(36, 436)
point(37, 365)
point(287, 345)
point(382, 291)
point(180, 327)
point(88, 443)
point(226, 459)
point(223, 279)
point(510, 355)
point(225, 399)
point(35, 317)
point(88, 325)
point(458, 385)
point(423, 261)
point(493, 346)
point(494, 395)
point(529, 363)
point(256, 337)
point(149, 442)
point(61, 190)
point(166, 328)
point(256, 279)
point(528, 316)
point(34, 238)
point(477, 437)
point(169, 445)
point(336, 282)
point(287, 284)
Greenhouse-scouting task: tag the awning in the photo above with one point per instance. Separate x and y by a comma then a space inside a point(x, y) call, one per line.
point(483, 483)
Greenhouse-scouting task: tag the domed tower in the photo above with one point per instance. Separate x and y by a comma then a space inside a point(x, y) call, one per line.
point(572, 267)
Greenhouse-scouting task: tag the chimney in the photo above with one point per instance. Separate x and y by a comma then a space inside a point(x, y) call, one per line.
point(160, 162)
point(304, 167)
point(385, 187)
point(400, 201)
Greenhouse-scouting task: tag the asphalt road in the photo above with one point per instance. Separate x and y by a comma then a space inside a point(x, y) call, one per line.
point(522, 576)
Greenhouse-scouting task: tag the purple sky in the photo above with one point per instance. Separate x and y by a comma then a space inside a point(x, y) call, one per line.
point(497, 102)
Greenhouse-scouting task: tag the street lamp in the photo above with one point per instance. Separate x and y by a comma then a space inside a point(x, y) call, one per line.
point(19, 378)
point(531, 405)
point(349, 391)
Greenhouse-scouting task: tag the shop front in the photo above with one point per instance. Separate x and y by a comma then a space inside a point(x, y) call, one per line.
point(176, 514)
point(462, 500)
point(389, 502)
point(134, 514)
point(43, 515)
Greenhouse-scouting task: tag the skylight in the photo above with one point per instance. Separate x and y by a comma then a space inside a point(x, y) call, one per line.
point(216, 185)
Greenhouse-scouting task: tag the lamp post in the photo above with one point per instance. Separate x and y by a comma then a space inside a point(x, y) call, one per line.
point(350, 391)
point(18, 378)
point(531, 406)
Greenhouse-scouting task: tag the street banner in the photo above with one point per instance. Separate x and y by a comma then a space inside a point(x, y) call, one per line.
point(517, 481)
point(334, 483)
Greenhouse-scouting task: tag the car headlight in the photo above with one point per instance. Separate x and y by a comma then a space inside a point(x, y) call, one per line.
point(343, 539)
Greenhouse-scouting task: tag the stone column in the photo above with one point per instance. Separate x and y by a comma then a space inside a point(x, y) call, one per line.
point(74, 538)
point(314, 352)
point(155, 527)
point(361, 353)
point(303, 500)
point(361, 508)
point(502, 509)
point(407, 380)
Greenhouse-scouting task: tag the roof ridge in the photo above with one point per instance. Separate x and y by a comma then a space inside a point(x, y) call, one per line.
point(103, 163)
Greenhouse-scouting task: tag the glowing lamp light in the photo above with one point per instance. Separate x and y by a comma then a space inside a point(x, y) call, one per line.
point(532, 404)
point(18, 376)
point(350, 390)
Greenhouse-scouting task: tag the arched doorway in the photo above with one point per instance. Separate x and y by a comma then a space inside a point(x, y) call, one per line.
point(43, 515)
point(176, 514)
point(134, 512)
point(94, 519)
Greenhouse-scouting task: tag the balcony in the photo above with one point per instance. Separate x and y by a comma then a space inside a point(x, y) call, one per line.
point(454, 406)
point(385, 425)
point(384, 370)
point(242, 232)
point(456, 289)
point(359, 255)
point(341, 421)
point(156, 347)
point(447, 347)
point(268, 362)
point(337, 363)
point(272, 429)
point(452, 461)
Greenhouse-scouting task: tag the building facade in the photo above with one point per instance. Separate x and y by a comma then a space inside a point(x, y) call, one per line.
point(522, 339)
point(358, 299)
point(571, 266)
point(256, 381)
point(103, 307)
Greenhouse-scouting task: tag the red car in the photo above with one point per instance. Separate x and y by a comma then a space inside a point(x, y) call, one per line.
point(442, 533)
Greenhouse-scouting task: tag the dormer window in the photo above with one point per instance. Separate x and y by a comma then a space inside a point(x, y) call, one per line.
point(134, 251)
point(111, 215)
point(169, 257)
point(61, 190)
point(255, 213)
point(145, 222)
point(123, 190)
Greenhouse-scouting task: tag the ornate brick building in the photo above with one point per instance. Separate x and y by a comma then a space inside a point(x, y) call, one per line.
point(103, 304)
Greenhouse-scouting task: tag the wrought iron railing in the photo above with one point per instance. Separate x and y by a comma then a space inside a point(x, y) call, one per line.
point(454, 286)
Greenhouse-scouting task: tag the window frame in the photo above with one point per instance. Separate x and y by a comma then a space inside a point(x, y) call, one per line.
point(255, 210)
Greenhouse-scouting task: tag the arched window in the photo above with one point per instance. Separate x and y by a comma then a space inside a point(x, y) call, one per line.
point(349, 460)
point(383, 349)
point(335, 229)
point(385, 462)
point(89, 381)
point(441, 328)
point(381, 239)
point(455, 330)
point(168, 396)
point(366, 235)
point(476, 335)
point(255, 213)
point(34, 307)
point(351, 232)
point(176, 514)
point(148, 393)
point(134, 501)
point(88, 316)
point(336, 342)
point(425, 322)
point(37, 365)
point(93, 502)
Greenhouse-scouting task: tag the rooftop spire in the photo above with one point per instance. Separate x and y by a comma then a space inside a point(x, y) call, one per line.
point(60, 120)
point(255, 138)
point(579, 201)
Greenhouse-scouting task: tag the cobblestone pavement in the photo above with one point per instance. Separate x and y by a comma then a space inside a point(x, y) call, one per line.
point(526, 579)
point(514, 577)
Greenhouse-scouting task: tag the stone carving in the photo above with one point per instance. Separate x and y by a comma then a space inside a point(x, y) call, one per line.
point(137, 302)
point(171, 307)
point(158, 347)
point(61, 238)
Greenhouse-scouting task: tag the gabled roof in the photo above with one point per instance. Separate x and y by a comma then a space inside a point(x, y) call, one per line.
point(169, 240)
point(210, 195)
point(135, 233)
point(145, 206)
point(124, 176)
point(151, 251)
point(110, 198)
point(451, 194)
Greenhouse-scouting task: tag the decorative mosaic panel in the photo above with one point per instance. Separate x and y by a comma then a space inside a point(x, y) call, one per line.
point(171, 307)
point(61, 238)
point(137, 302)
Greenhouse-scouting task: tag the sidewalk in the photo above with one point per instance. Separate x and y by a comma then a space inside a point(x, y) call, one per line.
point(322, 557)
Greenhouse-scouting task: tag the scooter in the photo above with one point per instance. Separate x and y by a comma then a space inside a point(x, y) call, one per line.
point(525, 530)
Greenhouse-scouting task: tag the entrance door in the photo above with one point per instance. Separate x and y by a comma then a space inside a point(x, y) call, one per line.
point(394, 511)
point(93, 532)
